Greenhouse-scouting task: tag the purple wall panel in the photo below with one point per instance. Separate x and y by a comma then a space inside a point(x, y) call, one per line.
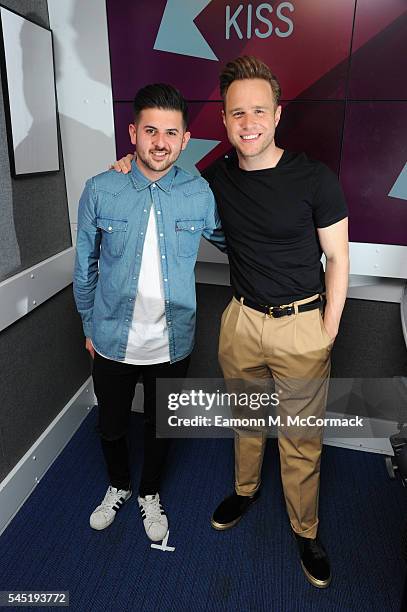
point(123, 116)
point(313, 127)
point(379, 66)
point(374, 154)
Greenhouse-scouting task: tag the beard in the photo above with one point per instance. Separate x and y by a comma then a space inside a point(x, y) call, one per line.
point(157, 165)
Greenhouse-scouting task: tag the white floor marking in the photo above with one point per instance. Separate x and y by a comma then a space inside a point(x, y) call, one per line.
point(163, 545)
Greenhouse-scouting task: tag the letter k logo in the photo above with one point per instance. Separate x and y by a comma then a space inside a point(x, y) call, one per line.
point(187, 39)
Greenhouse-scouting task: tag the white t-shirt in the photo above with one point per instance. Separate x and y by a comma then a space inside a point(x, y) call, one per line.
point(148, 335)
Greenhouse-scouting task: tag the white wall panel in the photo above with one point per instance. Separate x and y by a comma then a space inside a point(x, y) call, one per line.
point(84, 92)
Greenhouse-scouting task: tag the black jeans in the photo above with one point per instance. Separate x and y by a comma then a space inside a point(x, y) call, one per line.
point(115, 384)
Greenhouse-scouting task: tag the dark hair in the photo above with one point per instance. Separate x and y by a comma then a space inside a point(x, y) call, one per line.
point(248, 67)
point(160, 95)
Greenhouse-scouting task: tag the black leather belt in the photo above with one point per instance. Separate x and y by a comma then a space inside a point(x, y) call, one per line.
point(282, 311)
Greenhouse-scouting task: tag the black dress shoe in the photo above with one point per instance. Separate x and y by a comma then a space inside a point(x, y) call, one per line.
point(314, 561)
point(230, 511)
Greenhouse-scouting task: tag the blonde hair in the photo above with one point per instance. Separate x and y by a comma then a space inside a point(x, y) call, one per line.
point(248, 67)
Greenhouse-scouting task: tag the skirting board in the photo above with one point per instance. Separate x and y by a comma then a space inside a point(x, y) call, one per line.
point(23, 478)
point(370, 444)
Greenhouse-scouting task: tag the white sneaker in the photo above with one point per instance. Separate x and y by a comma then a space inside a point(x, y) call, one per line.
point(154, 519)
point(104, 515)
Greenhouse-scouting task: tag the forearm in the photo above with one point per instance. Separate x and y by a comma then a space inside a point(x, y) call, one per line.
point(217, 238)
point(213, 231)
point(336, 282)
point(84, 294)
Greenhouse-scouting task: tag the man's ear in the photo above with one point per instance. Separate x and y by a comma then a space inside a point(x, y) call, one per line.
point(223, 117)
point(132, 132)
point(277, 115)
point(185, 140)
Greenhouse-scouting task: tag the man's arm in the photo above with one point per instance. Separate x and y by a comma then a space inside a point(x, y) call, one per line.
point(335, 245)
point(213, 231)
point(86, 262)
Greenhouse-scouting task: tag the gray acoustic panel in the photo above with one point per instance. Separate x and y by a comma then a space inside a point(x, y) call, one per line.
point(42, 363)
point(34, 220)
point(211, 302)
point(38, 9)
point(370, 343)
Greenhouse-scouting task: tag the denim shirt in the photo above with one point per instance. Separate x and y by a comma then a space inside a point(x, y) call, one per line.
point(112, 221)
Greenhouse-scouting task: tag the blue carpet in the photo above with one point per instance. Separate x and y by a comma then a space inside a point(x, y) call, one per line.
point(253, 567)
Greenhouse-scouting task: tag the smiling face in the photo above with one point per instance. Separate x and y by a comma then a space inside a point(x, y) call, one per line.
point(251, 117)
point(159, 137)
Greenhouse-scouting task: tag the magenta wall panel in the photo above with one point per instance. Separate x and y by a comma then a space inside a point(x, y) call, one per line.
point(342, 65)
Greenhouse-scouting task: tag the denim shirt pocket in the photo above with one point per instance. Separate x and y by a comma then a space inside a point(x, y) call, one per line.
point(113, 235)
point(188, 236)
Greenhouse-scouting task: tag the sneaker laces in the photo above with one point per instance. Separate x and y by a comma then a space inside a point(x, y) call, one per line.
point(110, 499)
point(152, 508)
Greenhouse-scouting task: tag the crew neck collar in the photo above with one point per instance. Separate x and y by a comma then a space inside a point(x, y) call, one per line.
point(280, 162)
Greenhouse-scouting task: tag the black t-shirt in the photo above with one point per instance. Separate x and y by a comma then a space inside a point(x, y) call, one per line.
point(270, 219)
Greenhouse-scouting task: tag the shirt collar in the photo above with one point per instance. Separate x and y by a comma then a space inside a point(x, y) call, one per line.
point(141, 182)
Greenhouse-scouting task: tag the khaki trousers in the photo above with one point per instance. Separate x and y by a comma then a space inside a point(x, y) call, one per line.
point(295, 351)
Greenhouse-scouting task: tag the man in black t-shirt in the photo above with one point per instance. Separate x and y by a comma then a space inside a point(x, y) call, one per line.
point(269, 217)
point(280, 211)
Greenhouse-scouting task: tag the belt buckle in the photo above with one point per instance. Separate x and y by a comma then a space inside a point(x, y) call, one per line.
point(276, 311)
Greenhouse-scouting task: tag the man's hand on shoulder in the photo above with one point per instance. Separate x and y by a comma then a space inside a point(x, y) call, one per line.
point(123, 165)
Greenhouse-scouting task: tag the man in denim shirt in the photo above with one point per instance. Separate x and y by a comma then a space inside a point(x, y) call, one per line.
point(134, 286)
